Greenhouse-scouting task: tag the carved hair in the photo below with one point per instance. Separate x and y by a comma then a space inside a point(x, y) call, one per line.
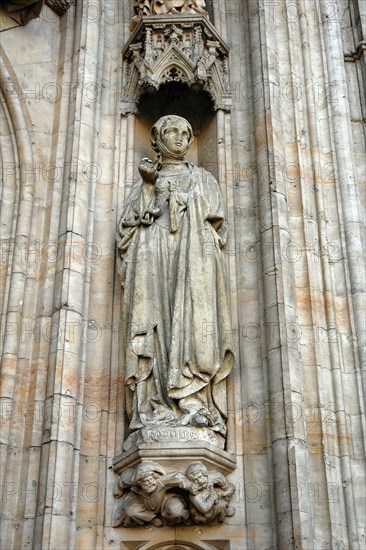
point(145, 468)
point(196, 467)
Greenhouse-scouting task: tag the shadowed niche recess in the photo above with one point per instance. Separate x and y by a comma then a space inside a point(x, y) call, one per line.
point(178, 99)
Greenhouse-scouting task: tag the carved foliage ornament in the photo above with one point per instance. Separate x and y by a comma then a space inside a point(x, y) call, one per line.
point(185, 49)
point(149, 495)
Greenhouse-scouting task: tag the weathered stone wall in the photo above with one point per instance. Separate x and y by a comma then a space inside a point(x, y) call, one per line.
point(291, 163)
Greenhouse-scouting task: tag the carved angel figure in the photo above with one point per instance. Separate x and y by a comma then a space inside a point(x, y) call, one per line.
point(177, 331)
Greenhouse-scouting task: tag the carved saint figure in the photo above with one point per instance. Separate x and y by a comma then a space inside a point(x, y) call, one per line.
point(177, 333)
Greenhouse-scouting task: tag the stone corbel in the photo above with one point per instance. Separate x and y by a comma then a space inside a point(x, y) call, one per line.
point(148, 494)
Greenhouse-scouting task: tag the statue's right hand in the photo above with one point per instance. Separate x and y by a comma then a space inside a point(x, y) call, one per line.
point(147, 218)
point(148, 215)
point(193, 489)
point(148, 171)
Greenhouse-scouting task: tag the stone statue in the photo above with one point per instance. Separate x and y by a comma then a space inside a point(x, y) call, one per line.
point(23, 11)
point(144, 497)
point(209, 495)
point(163, 7)
point(176, 323)
point(150, 495)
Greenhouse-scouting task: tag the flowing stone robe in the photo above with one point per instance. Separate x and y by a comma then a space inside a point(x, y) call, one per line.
point(162, 7)
point(177, 331)
point(23, 11)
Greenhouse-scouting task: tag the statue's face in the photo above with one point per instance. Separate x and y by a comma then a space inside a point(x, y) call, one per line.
point(176, 138)
point(200, 479)
point(148, 483)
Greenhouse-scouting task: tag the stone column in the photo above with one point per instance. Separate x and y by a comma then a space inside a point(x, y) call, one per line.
point(346, 170)
point(60, 456)
point(301, 207)
point(292, 510)
point(17, 301)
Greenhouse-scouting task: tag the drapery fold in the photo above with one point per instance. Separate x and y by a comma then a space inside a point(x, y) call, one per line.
point(176, 320)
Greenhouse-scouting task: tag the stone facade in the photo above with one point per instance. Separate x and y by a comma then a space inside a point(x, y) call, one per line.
point(288, 149)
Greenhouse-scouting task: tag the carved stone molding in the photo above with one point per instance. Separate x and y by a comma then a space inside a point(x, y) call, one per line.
point(176, 456)
point(185, 49)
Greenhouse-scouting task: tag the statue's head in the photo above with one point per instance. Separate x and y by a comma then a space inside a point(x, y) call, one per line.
point(197, 473)
point(171, 136)
point(148, 482)
point(146, 476)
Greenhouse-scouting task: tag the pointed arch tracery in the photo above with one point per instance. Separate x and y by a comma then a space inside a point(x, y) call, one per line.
point(184, 49)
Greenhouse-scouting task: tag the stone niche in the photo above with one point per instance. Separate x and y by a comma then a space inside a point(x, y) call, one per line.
point(185, 49)
point(195, 106)
point(176, 64)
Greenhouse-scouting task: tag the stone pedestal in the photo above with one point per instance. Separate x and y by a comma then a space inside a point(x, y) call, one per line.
point(175, 456)
point(177, 435)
